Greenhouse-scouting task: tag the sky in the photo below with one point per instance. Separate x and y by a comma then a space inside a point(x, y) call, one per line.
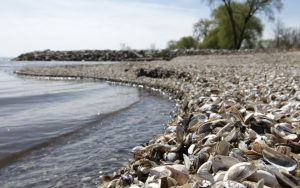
point(29, 25)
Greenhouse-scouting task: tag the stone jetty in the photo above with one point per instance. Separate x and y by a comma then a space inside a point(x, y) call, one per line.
point(238, 123)
point(121, 55)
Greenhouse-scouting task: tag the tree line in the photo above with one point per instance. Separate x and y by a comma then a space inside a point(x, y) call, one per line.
point(235, 24)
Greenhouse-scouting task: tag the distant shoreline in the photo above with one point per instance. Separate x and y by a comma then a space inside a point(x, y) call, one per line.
point(128, 55)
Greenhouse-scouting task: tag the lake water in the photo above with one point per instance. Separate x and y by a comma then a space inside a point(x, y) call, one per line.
point(58, 133)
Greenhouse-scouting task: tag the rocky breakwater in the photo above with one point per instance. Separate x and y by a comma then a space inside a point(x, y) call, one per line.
point(122, 55)
point(238, 124)
point(95, 55)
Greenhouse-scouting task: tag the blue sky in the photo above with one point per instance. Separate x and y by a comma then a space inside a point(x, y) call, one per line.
point(28, 25)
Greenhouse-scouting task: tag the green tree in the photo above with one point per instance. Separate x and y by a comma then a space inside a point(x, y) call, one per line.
point(211, 40)
point(240, 24)
point(172, 44)
point(222, 35)
point(201, 28)
point(183, 43)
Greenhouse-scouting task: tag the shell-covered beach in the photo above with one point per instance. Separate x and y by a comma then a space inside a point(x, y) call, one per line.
point(238, 123)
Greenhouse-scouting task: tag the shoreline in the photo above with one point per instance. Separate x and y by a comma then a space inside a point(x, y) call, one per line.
point(132, 55)
point(232, 109)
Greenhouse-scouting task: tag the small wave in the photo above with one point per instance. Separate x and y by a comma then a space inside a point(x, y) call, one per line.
point(38, 97)
point(63, 138)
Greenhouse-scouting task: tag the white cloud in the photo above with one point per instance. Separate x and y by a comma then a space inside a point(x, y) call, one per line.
point(77, 24)
point(28, 25)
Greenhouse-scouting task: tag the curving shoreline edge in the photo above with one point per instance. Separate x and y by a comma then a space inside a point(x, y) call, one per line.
point(226, 104)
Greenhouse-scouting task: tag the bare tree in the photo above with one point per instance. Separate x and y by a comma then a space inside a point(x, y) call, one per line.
point(201, 28)
point(254, 7)
point(286, 37)
point(278, 31)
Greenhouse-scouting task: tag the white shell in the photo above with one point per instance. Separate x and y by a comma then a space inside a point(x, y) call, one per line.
point(240, 171)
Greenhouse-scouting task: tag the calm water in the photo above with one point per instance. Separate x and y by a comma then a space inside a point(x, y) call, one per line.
point(63, 133)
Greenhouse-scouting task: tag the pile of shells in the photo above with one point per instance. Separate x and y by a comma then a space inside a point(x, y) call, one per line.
point(238, 124)
point(234, 133)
